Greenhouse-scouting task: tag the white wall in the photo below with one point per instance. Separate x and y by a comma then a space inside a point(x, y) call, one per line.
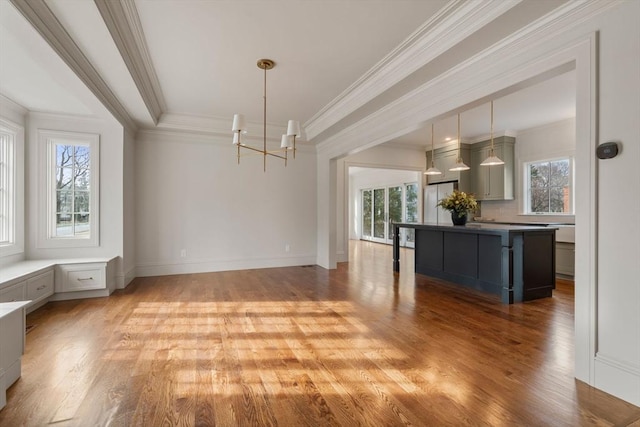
point(111, 186)
point(129, 213)
point(192, 195)
point(617, 365)
point(542, 142)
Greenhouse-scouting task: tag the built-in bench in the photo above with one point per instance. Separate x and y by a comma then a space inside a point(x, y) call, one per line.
point(41, 281)
point(27, 285)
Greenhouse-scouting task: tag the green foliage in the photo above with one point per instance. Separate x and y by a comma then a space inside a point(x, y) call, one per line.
point(459, 202)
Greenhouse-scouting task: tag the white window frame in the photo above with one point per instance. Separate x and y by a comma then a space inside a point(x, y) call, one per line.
point(527, 185)
point(47, 140)
point(8, 195)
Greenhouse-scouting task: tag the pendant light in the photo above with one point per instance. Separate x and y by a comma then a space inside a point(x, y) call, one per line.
point(459, 166)
point(432, 170)
point(492, 160)
point(288, 141)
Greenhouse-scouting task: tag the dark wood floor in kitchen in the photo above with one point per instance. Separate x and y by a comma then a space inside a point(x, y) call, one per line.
point(306, 346)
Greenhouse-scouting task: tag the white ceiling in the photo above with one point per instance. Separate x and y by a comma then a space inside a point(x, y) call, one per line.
point(549, 101)
point(202, 56)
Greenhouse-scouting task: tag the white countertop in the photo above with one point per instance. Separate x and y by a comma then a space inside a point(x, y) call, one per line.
point(21, 268)
point(7, 308)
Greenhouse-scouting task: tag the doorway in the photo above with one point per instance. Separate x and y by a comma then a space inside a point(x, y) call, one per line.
point(383, 206)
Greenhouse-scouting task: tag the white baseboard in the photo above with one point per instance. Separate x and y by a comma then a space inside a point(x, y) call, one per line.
point(148, 269)
point(617, 378)
point(64, 296)
point(123, 281)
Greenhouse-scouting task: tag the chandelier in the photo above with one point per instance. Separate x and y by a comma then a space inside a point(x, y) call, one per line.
point(288, 141)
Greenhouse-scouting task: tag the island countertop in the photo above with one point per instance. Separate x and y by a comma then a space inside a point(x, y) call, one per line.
point(514, 261)
point(477, 227)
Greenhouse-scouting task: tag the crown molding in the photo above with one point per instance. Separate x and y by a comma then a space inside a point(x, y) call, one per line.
point(452, 24)
point(193, 123)
point(215, 126)
point(45, 22)
point(188, 135)
point(122, 20)
point(10, 104)
point(452, 89)
point(45, 115)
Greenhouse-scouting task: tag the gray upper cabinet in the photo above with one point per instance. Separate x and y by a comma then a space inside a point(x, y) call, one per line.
point(493, 182)
point(444, 159)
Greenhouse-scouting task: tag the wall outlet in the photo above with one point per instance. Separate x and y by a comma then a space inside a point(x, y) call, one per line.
point(183, 253)
point(287, 247)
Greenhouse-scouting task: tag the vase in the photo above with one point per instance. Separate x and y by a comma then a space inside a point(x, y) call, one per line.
point(459, 218)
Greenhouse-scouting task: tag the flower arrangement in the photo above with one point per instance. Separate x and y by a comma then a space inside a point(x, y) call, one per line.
point(459, 203)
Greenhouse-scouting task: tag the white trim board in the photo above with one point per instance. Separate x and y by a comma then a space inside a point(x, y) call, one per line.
point(213, 265)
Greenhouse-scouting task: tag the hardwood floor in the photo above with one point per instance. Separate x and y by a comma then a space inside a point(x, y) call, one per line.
point(306, 346)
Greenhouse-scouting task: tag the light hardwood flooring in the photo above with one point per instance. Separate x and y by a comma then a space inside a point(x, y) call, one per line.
point(306, 346)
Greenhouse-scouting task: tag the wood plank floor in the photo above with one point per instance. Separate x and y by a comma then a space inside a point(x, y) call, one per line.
point(306, 346)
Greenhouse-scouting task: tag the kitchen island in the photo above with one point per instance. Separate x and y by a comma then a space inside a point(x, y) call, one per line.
point(515, 262)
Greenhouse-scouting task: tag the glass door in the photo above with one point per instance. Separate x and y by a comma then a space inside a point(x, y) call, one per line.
point(394, 211)
point(381, 207)
point(379, 215)
point(410, 214)
point(367, 214)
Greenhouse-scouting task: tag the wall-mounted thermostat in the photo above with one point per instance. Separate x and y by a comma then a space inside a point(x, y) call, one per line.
point(608, 150)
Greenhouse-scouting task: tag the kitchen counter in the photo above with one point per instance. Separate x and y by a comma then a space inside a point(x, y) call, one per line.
point(516, 262)
point(532, 223)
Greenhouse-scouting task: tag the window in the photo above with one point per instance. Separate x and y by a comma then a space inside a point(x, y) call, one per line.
point(550, 186)
point(7, 186)
point(72, 189)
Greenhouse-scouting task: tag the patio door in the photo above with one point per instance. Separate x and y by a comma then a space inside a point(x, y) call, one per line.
point(383, 206)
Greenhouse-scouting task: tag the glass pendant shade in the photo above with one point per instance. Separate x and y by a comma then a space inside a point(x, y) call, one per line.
point(433, 170)
point(459, 166)
point(238, 123)
point(492, 160)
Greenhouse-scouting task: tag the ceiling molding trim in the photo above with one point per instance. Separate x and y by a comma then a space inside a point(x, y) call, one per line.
point(44, 115)
point(449, 91)
point(181, 136)
point(453, 23)
point(122, 20)
point(10, 104)
point(215, 126)
point(45, 22)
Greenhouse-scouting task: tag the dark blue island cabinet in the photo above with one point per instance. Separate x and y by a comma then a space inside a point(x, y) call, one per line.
point(515, 262)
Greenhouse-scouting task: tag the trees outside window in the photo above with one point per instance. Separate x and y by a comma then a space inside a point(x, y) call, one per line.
point(69, 212)
point(73, 190)
point(550, 186)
